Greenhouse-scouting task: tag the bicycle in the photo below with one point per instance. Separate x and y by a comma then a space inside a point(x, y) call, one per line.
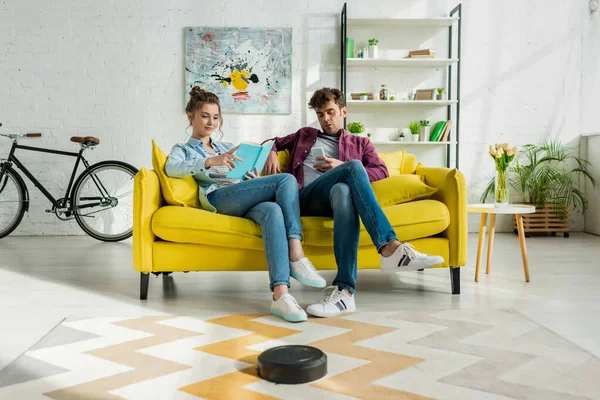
point(100, 200)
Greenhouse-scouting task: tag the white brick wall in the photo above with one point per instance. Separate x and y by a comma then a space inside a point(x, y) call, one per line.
point(115, 69)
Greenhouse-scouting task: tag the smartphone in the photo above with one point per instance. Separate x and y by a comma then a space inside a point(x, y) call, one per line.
point(317, 152)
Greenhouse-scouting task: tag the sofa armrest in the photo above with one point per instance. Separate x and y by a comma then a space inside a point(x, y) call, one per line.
point(147, 198)
point(452, 191)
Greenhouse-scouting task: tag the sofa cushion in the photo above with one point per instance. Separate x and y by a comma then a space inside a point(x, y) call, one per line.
point(401, 189)
point(192, 225)
point(399, 162)
point(175, 191)
point(412, 220)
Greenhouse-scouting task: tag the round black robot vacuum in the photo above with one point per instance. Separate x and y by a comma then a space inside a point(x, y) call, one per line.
point(292, 364)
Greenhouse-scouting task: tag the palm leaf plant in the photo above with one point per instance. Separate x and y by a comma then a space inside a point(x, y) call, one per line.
point(550, 174)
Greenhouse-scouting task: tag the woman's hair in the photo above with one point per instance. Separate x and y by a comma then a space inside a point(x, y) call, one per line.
point(198, 97)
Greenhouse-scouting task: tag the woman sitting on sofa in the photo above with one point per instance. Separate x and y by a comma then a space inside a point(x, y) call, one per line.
point(271, 201)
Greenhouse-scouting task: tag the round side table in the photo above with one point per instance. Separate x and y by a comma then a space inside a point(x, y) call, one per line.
point(485, 209)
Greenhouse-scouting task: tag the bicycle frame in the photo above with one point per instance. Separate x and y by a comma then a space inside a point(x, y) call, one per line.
point(12, 158)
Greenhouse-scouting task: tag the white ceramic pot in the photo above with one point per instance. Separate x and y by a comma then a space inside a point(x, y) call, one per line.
point(415, 138)
point(373, 52)
point(424, 133)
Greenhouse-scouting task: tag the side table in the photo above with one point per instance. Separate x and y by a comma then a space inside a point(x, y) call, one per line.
point(485, 209)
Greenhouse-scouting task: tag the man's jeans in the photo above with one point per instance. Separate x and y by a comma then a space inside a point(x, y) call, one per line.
point(345, 193)
point(272, 202)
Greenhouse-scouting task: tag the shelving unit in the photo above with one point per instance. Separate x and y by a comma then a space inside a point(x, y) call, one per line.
point(411, 103)
point(451, 65)
point(368, 22)
point(403, 62)
point(409, 143)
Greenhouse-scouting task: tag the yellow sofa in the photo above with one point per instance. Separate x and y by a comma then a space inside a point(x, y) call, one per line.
point(179, 239)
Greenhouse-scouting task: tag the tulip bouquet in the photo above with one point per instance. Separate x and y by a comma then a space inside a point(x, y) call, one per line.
point(502, 155)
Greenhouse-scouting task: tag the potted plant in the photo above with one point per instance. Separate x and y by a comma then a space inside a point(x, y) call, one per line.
point(373, 42)
point(364, 96)
point(548, 177)
point(425, 130)
point(369, 135)
point(414, 128)
point(356, 128)
point(440, 93)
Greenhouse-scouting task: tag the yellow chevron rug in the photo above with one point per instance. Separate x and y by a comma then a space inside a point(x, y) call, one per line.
point(458, 354)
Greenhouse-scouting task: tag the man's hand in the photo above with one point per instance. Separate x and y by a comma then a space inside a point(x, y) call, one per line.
point(272, 165)
point(329, 163)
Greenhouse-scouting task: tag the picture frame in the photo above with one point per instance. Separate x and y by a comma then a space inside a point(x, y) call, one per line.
point(425, 94)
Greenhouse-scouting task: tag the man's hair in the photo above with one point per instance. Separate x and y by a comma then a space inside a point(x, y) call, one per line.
point(325, 95)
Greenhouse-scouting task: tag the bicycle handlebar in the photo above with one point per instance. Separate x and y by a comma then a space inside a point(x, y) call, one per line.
point(14, 136)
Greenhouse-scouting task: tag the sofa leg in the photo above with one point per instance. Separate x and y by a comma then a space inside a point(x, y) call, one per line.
point(455, 280)
point(144, 278)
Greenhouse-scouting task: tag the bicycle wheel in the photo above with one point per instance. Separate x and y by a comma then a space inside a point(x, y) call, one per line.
point(12, 201)
point(102, 200)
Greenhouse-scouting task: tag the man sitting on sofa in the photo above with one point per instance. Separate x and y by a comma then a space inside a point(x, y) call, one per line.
point(334, 170)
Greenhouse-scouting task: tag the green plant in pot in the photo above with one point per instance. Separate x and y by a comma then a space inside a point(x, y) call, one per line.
point(425, 130)
point(440, 93)
point(414, 128)
point(356, 128)
point(373, 52)
point(548, 175)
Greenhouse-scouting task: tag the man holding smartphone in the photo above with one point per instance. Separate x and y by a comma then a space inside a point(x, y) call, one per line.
point(334, 169)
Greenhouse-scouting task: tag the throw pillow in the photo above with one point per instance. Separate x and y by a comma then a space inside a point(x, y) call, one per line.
point(401, 189)
point(176, 191)
point(393, 162)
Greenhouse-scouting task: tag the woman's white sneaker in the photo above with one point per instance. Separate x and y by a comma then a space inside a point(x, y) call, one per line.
point(406, 258)
point(288, 308)
point(304, 272)
point(335, 302)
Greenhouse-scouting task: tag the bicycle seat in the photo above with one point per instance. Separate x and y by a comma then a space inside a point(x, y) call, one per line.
point(87, 140)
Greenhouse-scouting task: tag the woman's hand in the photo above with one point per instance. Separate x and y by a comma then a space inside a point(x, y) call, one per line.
point(252, 175)
point(226, 159)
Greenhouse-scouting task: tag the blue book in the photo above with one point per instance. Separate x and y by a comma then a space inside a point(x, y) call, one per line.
point(253, 156)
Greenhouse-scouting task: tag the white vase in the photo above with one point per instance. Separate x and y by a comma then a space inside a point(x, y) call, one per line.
point(424, 133)
point(415, 138)
point(373, 53)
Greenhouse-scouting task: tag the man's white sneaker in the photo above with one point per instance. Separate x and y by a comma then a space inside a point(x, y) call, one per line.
point(335, 301)
point(288, 308)
point(304, 272)
point(406, 258)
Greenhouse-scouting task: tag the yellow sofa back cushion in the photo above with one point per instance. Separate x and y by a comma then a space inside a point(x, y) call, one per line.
point(401, 189)
point(175, 191)
point(397, 162)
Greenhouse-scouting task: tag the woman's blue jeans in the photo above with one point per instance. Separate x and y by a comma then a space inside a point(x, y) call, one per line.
point(345, 193)
point(272, 202)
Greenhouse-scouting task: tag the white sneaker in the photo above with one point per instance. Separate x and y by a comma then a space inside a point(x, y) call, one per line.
point(335, 301)
point(304, 272)
point(406, 258)
point(288, 308)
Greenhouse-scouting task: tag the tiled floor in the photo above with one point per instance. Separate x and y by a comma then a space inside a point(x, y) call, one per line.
point(45, 279)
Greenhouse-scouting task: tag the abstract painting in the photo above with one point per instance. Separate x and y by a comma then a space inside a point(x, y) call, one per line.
point(250, 69)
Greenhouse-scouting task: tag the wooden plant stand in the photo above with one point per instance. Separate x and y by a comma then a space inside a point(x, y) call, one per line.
point(543, 221)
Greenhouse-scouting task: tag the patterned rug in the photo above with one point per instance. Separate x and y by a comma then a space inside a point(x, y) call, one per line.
point(459, 354)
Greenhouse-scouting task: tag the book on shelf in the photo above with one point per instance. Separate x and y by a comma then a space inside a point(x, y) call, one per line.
point(356, 96)
point(441, 131)
point(437, 131)
point(421, 56)
point(423, 52)
point(446, 132)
